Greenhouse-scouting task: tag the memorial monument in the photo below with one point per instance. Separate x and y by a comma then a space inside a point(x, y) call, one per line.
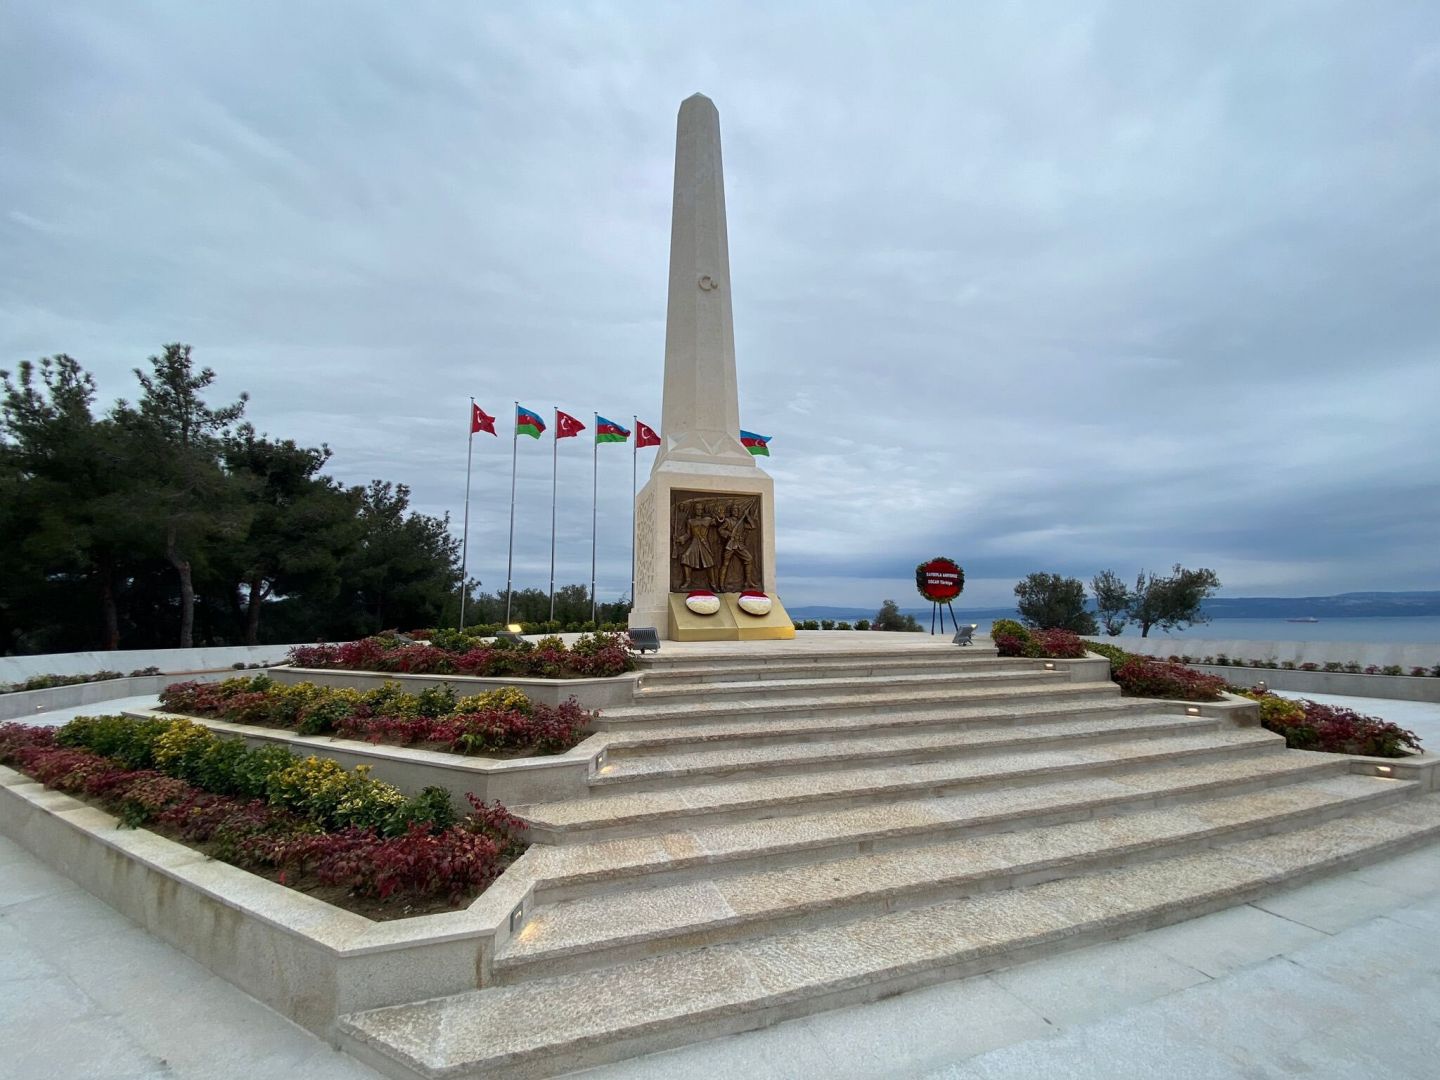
point(705, 520)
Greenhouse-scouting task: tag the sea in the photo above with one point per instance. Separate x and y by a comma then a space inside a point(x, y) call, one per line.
point(1401, 630)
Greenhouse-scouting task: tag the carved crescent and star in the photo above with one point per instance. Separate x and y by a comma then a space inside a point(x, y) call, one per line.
point(707, 283)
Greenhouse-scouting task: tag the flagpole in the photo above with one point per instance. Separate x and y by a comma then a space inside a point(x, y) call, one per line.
point(634, 467)
point(510, 559)
point(465, 531)
point(554, 488)
point(594, 516)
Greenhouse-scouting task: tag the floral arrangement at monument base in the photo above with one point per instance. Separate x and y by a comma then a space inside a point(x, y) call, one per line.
point(754, 603)
point(703, 602)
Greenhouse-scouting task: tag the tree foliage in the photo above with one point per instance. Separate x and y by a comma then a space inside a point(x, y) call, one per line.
point(1112, 601)
point(171, 521)
point(1052, 602)
point(890, 618)
point(1171, 600)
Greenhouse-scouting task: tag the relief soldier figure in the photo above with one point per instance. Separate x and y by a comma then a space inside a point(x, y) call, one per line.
point(711, 534)
point(693, 546)
point(734, 530)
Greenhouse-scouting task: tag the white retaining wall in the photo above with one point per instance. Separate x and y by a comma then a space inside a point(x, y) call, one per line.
point(1363, 653)
point(15, 669)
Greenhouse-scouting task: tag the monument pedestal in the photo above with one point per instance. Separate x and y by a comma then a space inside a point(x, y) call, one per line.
point(659, 545)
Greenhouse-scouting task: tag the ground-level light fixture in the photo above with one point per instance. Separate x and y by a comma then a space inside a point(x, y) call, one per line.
point(1192, 710)
point(517, 917)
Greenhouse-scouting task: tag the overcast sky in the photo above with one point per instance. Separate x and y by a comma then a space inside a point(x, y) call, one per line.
point(1036, 286)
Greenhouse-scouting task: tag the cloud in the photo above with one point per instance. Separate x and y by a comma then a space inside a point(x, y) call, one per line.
point(1057, 287)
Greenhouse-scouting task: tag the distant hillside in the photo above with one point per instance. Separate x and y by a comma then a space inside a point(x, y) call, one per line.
point(850, 614)
point(1344, 606)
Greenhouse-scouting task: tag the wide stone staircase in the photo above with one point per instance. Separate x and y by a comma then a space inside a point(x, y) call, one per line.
point(774, 835)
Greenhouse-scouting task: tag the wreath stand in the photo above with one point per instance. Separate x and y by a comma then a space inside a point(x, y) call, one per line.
point(937, 606)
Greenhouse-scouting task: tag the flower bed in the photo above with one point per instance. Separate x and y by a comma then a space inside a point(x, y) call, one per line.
point(49, 682)
point(452, 652)
point(1332, 729)
point(1013, 639)
point(498, 723)
point(306, 823)
point(1334, 667)
point(1144, 676)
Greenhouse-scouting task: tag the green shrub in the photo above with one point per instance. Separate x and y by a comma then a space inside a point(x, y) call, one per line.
point(1113, 653)
point(862, 624)
point(1012, 639)
point(129, 741)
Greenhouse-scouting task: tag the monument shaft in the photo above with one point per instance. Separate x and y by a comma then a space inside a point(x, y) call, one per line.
point(700, 418)
point(705, 519)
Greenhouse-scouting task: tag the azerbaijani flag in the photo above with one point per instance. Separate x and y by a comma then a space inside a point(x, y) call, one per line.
point(759, 445)
point(609, 431)
point(529, 423)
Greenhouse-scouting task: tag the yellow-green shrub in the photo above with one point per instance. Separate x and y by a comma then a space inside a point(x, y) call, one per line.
point(323, 790)
point(505, 699)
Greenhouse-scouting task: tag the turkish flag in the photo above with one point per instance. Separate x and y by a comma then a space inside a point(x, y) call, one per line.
point(645, 435)
point(566, 426)
point(479, 421)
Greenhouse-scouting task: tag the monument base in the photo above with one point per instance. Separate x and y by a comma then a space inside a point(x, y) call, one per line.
point(656, 546)
point(730, 623)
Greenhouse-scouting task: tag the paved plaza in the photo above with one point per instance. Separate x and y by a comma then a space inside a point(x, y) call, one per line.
point(1333, 979)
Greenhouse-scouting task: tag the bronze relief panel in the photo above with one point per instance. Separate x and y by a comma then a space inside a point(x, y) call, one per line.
point(715, 542)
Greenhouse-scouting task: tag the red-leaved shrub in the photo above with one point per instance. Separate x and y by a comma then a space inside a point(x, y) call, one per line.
point(422, 863)
point(1334, 729)
point(1059, 644)
point(1141, 676)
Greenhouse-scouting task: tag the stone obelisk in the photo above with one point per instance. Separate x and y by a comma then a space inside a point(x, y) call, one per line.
point(706, 502)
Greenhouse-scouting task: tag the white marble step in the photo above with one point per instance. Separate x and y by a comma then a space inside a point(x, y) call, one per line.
point(827, 687)
point(859, 699)
point(548, 1026)
point(629, 814)
point(860, 650)
point(658, 737)
point(859, 668)
point(683, 764)
point(597, 930)
point(567, 871)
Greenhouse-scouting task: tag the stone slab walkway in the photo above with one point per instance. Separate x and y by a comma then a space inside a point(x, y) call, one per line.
point(1331, 981)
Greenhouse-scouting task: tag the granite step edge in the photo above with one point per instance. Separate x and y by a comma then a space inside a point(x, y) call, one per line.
point(684, 998)
point(641, 739)
point(670, 806)
point(872, 683)
point(705, 766)
point(707, 853)
point(948, 661)
point(697, 712)
point(917, 877)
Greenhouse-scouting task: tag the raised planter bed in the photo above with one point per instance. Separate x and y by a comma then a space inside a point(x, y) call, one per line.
point(513, 781)
point(304, 958)
point(1348, 684)
point(590, 693)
